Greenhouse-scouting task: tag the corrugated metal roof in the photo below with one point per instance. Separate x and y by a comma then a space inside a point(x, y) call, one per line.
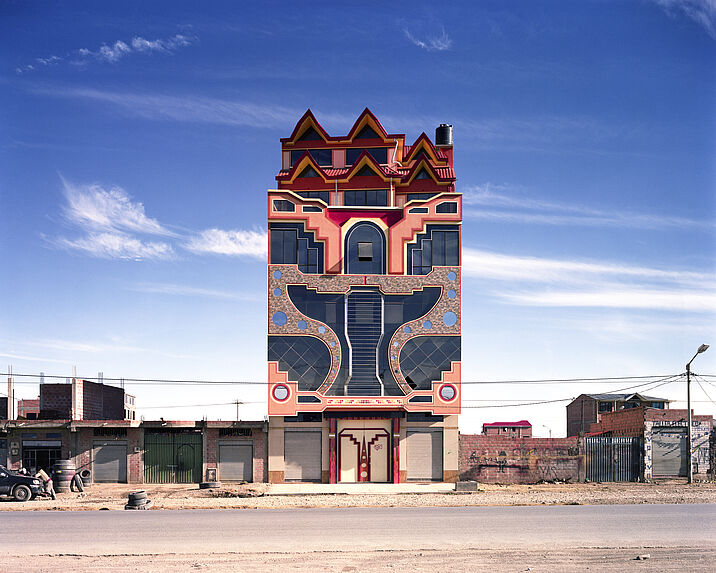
point(624, 397)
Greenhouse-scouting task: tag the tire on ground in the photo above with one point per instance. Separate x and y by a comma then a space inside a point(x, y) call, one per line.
point(21, 493)
point(209, 484)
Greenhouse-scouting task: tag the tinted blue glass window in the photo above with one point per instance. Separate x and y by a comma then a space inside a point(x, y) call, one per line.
point(283, 205)
point(324, 157)
point(423, 359)
point(420, 196)
point(309, 172)
point(447, 207)
point(365, 233)
point(367, 133)
point(291, 244)
point(380, 154)
point(366, 198)
point(322, 195)
point(310, 135)
point(305, 358)
point(423, 175)
point(439, 246)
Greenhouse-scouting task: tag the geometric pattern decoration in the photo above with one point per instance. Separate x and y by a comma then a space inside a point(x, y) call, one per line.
point(424, 358)
point(305, 358)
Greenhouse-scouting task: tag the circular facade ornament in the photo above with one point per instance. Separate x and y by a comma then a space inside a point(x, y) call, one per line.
point(279, 318)
point(280, 393)
point(450, 318)
point(448, 392)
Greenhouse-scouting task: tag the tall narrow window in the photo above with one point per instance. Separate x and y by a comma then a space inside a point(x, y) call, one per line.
point(438, 247)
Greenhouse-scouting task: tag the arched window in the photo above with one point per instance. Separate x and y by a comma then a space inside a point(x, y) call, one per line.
point(365, 250)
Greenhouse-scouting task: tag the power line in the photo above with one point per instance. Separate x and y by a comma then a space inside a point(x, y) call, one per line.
point(189, 382)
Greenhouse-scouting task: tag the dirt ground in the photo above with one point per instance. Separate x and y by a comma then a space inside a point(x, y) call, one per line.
point(178, 496)
point(608, 560)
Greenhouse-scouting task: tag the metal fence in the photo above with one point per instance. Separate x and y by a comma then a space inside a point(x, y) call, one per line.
point(613, 459)
point(172, 457)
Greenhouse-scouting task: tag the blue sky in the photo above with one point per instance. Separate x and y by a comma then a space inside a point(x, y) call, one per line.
point(137, 141)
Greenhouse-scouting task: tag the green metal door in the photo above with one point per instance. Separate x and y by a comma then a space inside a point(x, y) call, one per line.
point(172, 457)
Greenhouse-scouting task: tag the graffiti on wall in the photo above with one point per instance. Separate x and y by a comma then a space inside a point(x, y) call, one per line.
point(525, 463)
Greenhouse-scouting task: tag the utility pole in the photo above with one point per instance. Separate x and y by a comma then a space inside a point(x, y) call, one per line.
point(702, 348)
point(10, 395)
point(238, 403)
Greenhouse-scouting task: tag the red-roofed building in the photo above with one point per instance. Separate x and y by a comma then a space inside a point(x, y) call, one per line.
point(521, 429)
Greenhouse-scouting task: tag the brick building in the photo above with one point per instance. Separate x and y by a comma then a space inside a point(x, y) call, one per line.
point(124, 451)
point(28, 408)
point(587, 409)
point(521, 429)
point(364, 291)
point(664, 437)
point(84, 400)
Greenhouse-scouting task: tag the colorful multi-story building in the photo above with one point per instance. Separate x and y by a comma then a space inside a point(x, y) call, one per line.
point(364, 306)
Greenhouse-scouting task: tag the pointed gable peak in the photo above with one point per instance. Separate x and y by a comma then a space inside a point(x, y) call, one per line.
point(423, 144)
point(367, 126)
point(307, 129)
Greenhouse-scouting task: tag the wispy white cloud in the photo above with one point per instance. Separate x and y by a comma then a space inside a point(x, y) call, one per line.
point(249, 243)
point(183, 290)
point(534, 281)
point(114, 226)
point(703, 12)
point(633, 298)
point(192, 109)
point(118, 246)
point(512, 206)
point(490, 265)
point(112, 208)
point(433, 43)
point(114, 51)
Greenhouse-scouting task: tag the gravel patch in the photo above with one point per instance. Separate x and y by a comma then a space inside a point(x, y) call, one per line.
point(254, 496)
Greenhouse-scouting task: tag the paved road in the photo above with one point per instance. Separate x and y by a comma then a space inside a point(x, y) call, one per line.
point(351, 529)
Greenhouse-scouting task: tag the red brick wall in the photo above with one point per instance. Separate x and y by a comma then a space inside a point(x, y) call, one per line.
point(622, 423)
point(658, 415)
point(499, 459)
point(55, 401)
point(135, 460)
point(258, 438)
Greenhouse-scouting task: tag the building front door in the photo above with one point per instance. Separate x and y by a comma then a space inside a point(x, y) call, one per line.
point(364, 451)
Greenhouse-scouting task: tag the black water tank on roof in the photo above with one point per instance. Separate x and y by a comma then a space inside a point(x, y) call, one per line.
point(443, 134)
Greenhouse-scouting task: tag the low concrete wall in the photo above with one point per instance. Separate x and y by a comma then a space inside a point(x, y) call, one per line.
point(496, 459)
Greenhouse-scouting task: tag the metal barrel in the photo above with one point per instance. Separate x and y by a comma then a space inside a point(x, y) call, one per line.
point(62, 475)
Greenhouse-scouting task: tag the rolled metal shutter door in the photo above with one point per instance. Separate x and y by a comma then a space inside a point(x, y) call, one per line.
point(109, 462)
point(669, 452)
point(302, 455)
point(424, 454)
point(236, 461)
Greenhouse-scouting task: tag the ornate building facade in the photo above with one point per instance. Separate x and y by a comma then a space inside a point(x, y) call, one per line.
point(364, 307)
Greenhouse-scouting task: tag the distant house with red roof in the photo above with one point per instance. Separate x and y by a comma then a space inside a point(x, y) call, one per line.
point(521, 429)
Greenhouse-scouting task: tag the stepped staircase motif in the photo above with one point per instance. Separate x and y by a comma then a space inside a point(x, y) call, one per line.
point(364, 330)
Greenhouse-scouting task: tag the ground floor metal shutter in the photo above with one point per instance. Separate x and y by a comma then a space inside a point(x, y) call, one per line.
point(302, 455)
point(236, 461)
point(109, 462)
point(424, 454)
point(669, 452)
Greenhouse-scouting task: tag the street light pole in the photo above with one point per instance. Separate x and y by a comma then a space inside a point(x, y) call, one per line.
point(702, 348)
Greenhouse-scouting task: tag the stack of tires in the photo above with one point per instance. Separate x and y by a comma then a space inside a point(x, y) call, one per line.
point(137, 500)
point(62, 475)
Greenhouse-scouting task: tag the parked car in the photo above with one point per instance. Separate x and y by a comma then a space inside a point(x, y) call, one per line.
point(21, 487)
